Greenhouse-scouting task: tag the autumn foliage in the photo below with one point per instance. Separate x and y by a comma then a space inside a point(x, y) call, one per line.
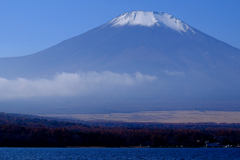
point(21, 131)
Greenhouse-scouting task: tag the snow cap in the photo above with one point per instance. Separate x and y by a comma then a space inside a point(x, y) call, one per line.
point(148, 19)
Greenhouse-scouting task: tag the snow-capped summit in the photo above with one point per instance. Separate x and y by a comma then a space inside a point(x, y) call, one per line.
point(148, 19)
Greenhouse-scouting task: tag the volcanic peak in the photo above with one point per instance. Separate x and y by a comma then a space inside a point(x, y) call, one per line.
point(150, 18)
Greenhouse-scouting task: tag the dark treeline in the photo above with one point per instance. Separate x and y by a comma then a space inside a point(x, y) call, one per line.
point(21, 131)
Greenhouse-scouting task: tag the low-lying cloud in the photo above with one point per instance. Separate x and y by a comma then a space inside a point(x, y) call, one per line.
point(69, 84)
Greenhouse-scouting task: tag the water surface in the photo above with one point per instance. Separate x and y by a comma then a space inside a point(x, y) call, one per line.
point(119, 153)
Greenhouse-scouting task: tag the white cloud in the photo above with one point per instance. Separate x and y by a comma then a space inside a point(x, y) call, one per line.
point(174, 73)
point(69, 84)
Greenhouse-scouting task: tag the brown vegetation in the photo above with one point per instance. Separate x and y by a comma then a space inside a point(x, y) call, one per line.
point(16, 131)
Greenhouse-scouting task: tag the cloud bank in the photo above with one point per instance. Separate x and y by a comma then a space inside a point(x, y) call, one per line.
point(69, 84)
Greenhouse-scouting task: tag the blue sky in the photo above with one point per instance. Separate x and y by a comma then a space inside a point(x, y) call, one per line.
point(29, 26)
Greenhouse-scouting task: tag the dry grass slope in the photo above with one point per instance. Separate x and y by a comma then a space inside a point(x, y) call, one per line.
point(160, 116)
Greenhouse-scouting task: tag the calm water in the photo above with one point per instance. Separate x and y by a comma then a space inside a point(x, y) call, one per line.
point(119, 153)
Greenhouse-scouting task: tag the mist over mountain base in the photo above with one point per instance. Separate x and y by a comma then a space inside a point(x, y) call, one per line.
point(88, 106)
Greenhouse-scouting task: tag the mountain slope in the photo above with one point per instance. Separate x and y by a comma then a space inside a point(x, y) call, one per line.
point(123, 45)
point(188, 64)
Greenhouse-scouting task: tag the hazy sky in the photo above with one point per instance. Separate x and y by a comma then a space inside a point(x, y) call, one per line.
point(29, 26)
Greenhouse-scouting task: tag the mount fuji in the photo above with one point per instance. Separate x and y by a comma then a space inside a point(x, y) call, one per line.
point(187, 68)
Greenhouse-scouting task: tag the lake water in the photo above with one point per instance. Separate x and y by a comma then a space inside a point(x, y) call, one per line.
point(119, 153)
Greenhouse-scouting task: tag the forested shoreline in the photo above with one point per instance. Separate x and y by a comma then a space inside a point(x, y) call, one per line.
point(22, 131)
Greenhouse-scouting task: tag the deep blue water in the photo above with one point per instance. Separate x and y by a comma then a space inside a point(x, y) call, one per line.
point(119, 153)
